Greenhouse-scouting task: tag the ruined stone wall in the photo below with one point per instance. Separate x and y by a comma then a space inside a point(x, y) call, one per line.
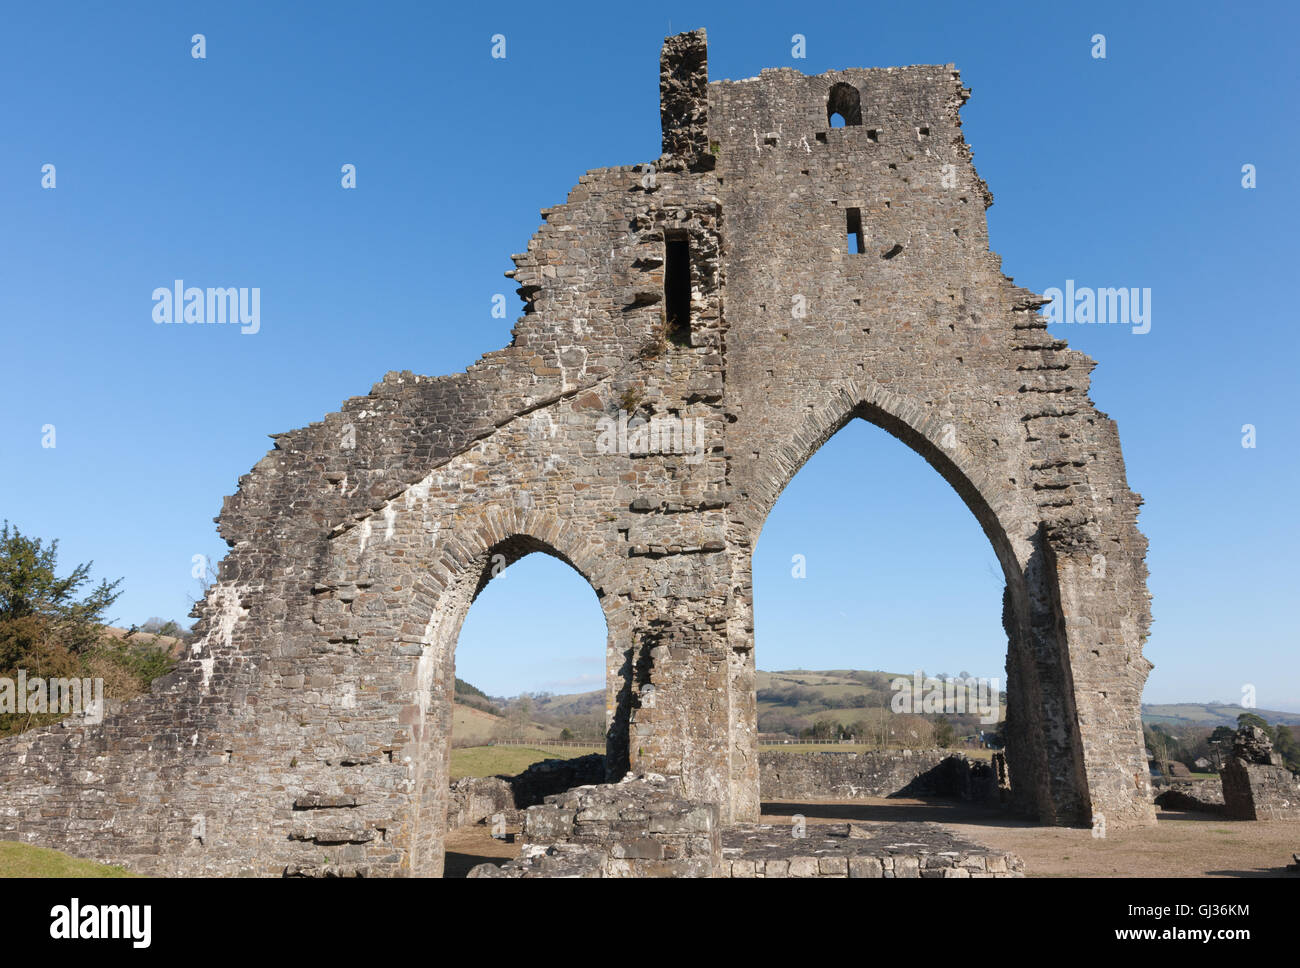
point(876, 773)
point(635, 828)
point(476, 799)
point(638, 828)
point(1255, 791)
point(308, 729)
point(923, 335)
point(1256, 784)
point(1205, 796)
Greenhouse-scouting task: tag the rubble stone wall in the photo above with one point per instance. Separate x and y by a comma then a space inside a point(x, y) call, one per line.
point(1190, 794)
point(884, 773)
point(1255, 791)
point(1256, 784)
point(478, 799)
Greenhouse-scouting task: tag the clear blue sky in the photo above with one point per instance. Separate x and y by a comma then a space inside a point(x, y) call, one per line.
point(225, 171)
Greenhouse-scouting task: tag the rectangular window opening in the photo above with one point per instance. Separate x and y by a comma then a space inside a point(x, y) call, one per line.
point(854, 219)
point(677, 286)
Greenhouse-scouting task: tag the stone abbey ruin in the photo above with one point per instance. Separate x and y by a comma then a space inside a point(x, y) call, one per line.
point(767, 280)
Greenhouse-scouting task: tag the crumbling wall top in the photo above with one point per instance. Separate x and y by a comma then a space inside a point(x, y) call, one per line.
point(684, 101)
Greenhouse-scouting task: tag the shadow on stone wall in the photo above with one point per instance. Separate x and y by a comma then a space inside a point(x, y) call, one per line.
point(477, 799)
point(878, 773)
point(955, 776)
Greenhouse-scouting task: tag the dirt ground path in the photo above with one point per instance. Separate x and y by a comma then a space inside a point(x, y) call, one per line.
point(1180, 845)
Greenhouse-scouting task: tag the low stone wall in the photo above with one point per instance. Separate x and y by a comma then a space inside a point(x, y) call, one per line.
point(860, 850)
point(1256, 786)
point(637, 828)
point(642, 827)
point(1205, 796)
point(878, 773)
point(478, 799)
point(1258, 791)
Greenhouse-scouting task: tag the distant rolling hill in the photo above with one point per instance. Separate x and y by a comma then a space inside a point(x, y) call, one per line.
point(474, 727)
point(574, 704)
point(794, 698)
point(1209, 714)
point(798, 697)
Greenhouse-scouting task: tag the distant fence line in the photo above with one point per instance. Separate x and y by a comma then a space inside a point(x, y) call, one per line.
point(597, 744)
point(542, 744)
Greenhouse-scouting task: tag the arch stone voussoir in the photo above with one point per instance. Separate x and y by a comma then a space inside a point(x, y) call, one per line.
point(695, 328)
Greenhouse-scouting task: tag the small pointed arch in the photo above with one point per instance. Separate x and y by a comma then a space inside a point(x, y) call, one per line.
point(845, 102)
point(443, 586)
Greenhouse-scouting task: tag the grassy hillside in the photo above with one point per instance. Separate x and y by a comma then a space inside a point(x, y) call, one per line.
point(795, 699)
point(508, 760)
point(788, 702)
point(573, 705)
point(173, 645)
point(1209, 714)
point(24, 860)
point(474, 727)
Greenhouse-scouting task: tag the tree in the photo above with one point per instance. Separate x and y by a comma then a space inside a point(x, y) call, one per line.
point(168, 627)
point(1284, 742)
point(41, 613)
point(912, 731)
point(860, 730)
point(825, 730)
point(522, 716)
point(53, 627)
point(1251, 719)
point(944, 734)
point(1222, 736)
point(1166, 747)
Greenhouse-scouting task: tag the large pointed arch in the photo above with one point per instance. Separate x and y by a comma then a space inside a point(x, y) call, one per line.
point(1039, 688)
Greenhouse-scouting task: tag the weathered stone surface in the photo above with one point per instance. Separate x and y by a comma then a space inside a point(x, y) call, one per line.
point(1205, 796)
point(867, 850)
point(641, 827)
point(1250, 744)
point(479, 799)
point(324, 666)
point(1256, 786)
point(789, 775)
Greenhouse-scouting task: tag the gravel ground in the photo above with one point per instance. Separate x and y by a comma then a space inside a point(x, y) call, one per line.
point(1180, 845)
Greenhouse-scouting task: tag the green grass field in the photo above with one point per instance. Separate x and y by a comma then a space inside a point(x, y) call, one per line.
point(508, 760)
point(24, 860)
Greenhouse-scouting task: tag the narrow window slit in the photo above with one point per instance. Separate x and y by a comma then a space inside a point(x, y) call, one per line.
point(854, 219)
point(677, 285)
